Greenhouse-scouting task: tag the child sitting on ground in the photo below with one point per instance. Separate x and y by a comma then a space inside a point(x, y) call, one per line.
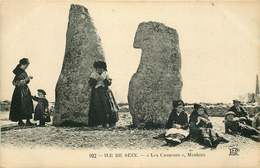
point(41, 109)
point(201, 128)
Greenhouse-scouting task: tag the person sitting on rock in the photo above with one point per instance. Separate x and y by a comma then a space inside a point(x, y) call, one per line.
point(41, 110)
point(103, 108)
point(201, 128)
point(240, 112)
point(237, 126)
point(177, 125)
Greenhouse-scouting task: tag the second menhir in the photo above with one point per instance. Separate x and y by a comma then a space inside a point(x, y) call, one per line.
point(158, 80)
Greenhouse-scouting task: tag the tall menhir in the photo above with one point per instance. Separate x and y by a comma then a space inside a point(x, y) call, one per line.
point(158, 80)
point(72, 89)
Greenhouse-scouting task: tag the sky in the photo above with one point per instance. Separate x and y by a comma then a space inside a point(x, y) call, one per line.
point(219, 43)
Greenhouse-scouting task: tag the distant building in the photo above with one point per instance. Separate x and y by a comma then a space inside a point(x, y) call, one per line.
point(251, 98)
point(257, 91)
point(5, 105)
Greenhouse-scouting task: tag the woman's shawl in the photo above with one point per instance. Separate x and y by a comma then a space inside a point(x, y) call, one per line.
point(100, 78)
point(21, 78)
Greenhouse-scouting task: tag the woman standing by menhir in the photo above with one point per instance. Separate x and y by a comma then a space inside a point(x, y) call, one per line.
point(103, 108)
point(21, 104)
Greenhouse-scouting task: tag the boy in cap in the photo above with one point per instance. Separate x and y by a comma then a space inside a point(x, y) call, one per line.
point(240, 112)
point(41, 109)
point(236, 125)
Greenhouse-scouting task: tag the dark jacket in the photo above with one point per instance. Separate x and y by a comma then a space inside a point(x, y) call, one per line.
point(241, 112)
point(181, 119)
point(195, 127)
point(41, 107)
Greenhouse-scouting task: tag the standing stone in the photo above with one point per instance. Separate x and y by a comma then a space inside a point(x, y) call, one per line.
point(158, 80)
point(82, 50)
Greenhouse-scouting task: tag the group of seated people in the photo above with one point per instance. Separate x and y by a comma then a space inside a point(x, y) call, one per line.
point(198, 127)
point(237, 121)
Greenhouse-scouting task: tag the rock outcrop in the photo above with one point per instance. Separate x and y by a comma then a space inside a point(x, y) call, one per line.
point(158, 80)
point(82, 49)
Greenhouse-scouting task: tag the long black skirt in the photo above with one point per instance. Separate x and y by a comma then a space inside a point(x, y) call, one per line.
point(101, 111)
point(206, 137)
point(21, 104)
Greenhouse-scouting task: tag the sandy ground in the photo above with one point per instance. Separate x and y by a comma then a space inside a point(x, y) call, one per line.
point(79, 140)
point(96, 138)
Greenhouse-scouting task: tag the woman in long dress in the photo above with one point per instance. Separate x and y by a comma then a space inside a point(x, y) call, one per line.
point(103, 108)
point(21, 104)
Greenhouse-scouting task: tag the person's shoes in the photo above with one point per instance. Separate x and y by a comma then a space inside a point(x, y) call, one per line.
point(175, 140)
point(207, 142)
point(21, 123)
point(255, 138)
point(104, 126)
point(215, 144)
point(172, 141)
point(98, 126)
point(224, 140)
point(172, 144)
point(111, 127)
point(29, 123)
point(161, 136)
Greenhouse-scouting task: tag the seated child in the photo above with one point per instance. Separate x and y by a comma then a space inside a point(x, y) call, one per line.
point(41, 109)
point(237, 125)
point(201, 128)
